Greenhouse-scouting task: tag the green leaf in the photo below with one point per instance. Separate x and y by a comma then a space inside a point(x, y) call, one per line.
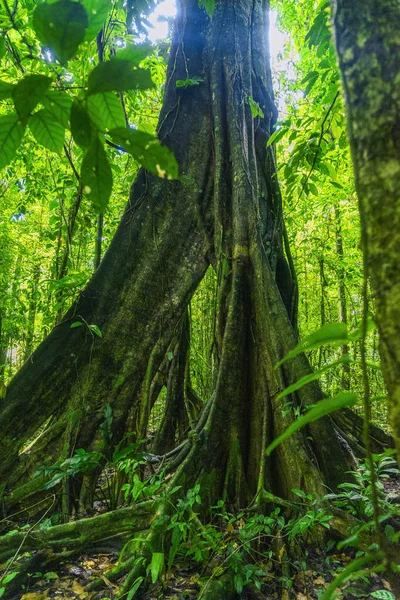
point(313, 376)
point(330, 333)
point(148, 151)
point(255, 108)
point(276, 136)
point(59, 105)
point(96, 176)
point(135, 53)
point(383, 595)
point(208, 5)
point(346, 574)
point(28, 92)
point(47, 132)
point(9, 577)
point(6, 90)
point(97, 12)
point(182, 83)
point(105, 110)
point(118, 76)
point(135, 587)
point(11, 134)
point(156, 566)
point(61, 27)
point(118, 381)
point(3, 48)
point(96, 330)
point(357, 333)
point(324, 407)
point(81, 128)
point(76, 324)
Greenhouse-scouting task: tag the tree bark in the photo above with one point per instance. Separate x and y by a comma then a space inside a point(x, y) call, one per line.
point(225, 210)
point(366, 34)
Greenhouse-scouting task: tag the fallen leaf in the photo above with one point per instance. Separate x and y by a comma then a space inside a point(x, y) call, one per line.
point(78, 589)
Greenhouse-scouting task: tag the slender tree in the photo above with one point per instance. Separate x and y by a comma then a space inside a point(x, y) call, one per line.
point(369, 59)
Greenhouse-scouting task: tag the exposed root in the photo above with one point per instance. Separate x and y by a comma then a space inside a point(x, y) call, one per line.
point(79, 535)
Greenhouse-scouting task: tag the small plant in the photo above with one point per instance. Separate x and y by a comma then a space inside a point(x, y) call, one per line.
point(356, 497)
point(81, 462)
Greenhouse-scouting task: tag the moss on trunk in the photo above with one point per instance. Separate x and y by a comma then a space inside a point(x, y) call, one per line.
point(367, 44)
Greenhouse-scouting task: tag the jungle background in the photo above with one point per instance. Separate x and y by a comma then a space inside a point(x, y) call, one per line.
point(53, 236)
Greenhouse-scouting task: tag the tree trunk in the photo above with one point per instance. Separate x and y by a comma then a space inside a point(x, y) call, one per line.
point(225, 210)
point(366, 34)
point(342, 303)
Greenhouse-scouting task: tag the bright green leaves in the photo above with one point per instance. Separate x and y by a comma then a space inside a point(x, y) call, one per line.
point(96, 175)
point(47, 132)
point(105, 110)
point(58, 104)
point(81, 128)
point(6, 90)
point(11, 134)
point(61, 27)
point(255, 108)
point(183, 83)
point(148, 151)
point(208, 5)
point(97, 11)
point(119, 76)
point(324, 407)
point(29, 92)
point(276, 136)
point(156, 565)
point(135, 53)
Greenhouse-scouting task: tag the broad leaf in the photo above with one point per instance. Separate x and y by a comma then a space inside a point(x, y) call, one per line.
point(157, 565)
point(135, 53)
point(59, 105)
point(383, 595)
point(208, 5)
point(118, 76)
point(81, 128)
point(255, 108)
point(97, 12)
point(148, 151)
point(276, 136)
point(61, 27)
point(330, 333)
point(6, 90)
point(28, 92)
point(324, 407)
point(96, 176)
point(105, 110)
point(47, 132)
point(313, 376)
point(11, 134)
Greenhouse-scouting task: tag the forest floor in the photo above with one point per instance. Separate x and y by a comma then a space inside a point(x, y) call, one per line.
point(307, 581)
point(305, 578)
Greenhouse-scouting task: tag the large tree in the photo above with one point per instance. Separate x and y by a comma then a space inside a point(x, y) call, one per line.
point(225, 211)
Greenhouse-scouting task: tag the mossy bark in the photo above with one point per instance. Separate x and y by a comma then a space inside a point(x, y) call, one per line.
point(367, 44)
point(225, 210)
